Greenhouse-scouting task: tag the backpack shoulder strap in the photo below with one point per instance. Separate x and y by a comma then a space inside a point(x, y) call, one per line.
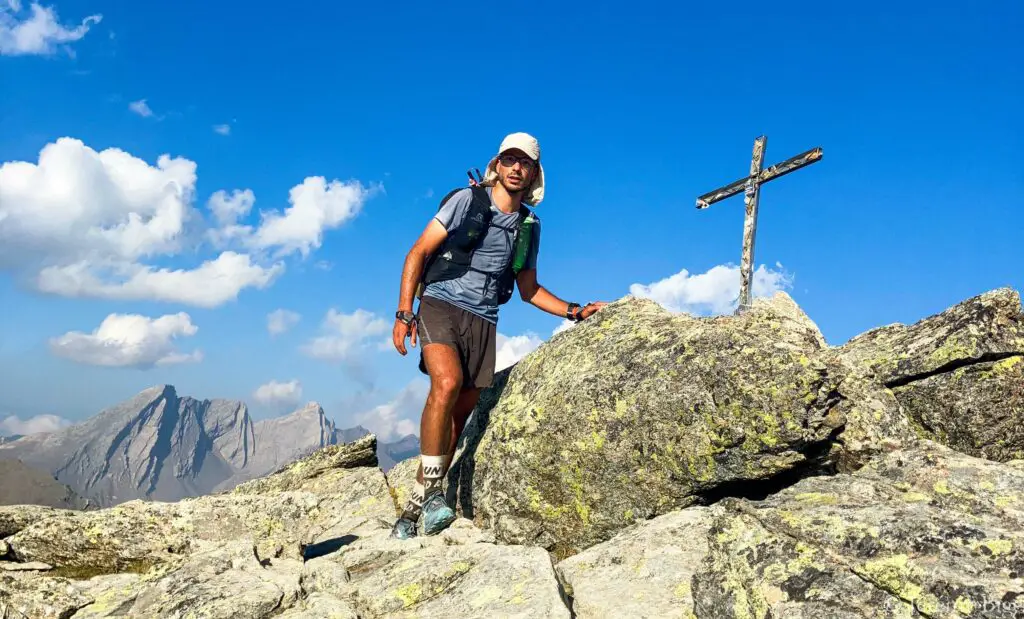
point(481, 202)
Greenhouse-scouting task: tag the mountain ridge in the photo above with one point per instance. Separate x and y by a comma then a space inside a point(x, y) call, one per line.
point(158, 445)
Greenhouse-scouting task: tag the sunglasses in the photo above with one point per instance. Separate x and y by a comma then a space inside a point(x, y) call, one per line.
point(510, 160)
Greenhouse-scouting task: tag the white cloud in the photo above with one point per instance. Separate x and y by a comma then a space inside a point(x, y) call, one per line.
point(279, 321)
point(141, 108)
point(511, 349)
point(565, 325)
point(80, 222)
point(129, 340)
point(316, 206)
point(222, 129)
point(714, 292)
point(86, 223)
point(227, 209)
point(210, 285)
point(78, 203)
point(279, 394)
point(398, 417)
point(345, 334)
point(39, 33)
point(11, 424)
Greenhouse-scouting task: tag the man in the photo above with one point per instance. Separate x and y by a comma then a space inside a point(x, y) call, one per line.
point(480, 241)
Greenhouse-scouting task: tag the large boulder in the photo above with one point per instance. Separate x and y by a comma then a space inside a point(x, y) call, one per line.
point(14, 518)
point(24, 595)
point(459, 573)
point(638, 411)
point(646, 570)
point(223, 582)
point(925, 532)
point(958, 374)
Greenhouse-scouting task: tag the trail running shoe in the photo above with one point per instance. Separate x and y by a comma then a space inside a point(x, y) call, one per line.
point(436, 514)
point(403, 529)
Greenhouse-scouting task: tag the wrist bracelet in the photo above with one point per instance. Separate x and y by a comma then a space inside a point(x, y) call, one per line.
point(569, 314)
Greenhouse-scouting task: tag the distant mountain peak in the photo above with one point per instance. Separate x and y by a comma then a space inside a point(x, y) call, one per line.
point(309, 407)
point(154, 445)
point(158, 445)
point(158, 390)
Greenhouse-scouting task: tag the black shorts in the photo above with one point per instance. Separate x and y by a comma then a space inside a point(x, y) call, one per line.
point(472, 337)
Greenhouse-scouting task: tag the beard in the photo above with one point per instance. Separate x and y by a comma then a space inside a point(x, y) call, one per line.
point(511, 189)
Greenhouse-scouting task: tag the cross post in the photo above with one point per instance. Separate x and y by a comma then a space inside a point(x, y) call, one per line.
point(751, 187)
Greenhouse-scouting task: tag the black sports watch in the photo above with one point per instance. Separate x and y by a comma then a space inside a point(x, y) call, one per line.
point(406, 317)
point(571, 314)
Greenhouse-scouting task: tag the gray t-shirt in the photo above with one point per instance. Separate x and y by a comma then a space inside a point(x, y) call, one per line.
point(475, 291)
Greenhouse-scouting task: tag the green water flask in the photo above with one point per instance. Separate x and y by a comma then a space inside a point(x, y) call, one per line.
point(523, 243)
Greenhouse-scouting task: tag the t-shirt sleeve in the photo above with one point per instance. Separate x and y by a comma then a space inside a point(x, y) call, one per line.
point(531, 254)
point(454, 210)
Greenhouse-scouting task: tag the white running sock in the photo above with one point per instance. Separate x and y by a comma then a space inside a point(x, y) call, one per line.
point(433, 473)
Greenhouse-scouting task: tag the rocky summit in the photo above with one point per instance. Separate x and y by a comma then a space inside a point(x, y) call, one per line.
point(641, 464)
point(640, 412)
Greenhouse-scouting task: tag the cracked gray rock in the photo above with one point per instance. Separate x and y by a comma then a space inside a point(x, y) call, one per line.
point(959, 374)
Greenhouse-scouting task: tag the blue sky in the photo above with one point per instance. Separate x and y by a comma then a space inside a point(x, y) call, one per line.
point(914, 207)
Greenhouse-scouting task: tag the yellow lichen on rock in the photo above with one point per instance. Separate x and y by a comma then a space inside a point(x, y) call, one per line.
point(896, 574)
point(996, 547)
point(409, 594)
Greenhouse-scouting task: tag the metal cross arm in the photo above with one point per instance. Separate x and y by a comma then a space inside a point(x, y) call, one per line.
point(780, 169)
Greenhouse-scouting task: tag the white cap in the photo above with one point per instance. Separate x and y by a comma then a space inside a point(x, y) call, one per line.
point(529, 145)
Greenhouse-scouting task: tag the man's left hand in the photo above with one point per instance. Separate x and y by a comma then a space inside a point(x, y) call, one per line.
point(591, 308)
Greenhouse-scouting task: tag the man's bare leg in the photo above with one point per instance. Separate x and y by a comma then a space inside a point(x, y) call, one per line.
point(460, 414)
point(445, 371)
point(444, 409)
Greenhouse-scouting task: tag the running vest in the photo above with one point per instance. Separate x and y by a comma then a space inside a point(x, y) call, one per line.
point(454, 257)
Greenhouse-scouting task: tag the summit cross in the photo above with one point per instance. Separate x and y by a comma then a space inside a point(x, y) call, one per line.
point(751, 187)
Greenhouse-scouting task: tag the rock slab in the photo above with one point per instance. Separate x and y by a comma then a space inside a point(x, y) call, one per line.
point(958, 374)
point(925, 532)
